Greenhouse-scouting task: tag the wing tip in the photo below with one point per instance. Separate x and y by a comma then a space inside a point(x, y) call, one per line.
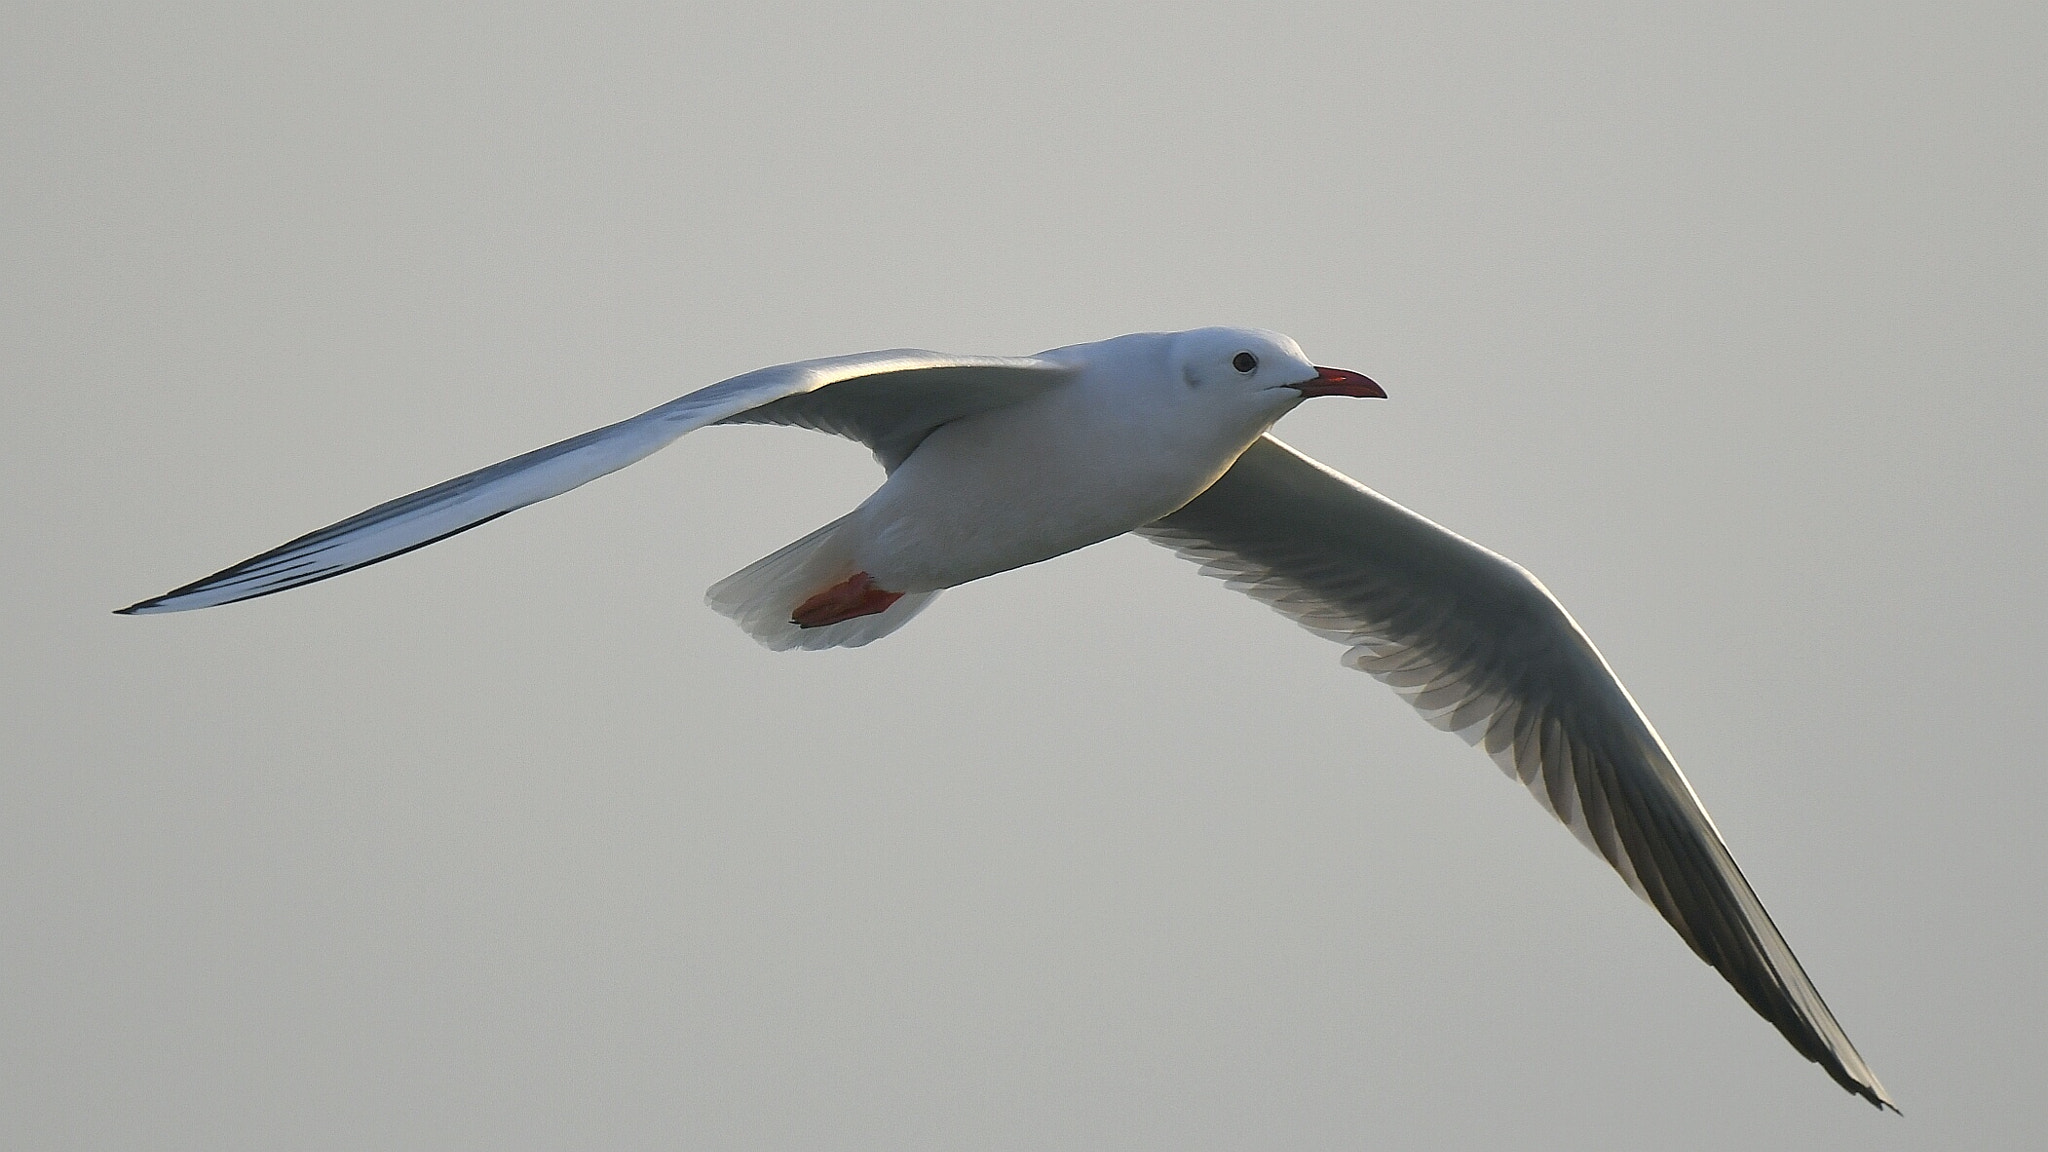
point(1874, 1092)
point(1856, 1078)
point(158, 605)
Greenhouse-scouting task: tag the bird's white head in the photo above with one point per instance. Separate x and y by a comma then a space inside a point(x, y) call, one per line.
point(1259, 367)
point(1206, 390)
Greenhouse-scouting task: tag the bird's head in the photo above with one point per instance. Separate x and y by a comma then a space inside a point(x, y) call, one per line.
point(1256, 369)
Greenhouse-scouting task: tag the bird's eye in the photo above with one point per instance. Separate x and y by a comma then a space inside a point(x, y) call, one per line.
point(1245, 362)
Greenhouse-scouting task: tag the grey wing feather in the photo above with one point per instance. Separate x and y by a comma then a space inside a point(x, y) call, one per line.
point(1481, 648)
point(893, 413)
point(892, 401)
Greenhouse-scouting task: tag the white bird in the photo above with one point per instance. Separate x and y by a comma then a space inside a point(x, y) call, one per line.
point(995, 463)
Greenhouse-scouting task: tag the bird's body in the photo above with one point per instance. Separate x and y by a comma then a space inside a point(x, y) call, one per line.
point(1120, 444)
point(995, 463)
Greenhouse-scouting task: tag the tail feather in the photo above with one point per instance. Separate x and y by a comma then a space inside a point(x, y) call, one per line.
point(762, 596)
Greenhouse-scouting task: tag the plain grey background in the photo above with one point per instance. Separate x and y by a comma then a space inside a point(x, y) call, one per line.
point(1727, 321)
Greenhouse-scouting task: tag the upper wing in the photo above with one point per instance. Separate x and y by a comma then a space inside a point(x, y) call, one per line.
point(1482, 649)
point(887, 400)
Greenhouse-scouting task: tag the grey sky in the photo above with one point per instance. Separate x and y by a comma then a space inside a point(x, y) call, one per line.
point(1725, 321)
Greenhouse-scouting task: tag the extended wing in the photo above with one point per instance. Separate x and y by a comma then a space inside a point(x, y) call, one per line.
point(1482, 649)
point(887, 400)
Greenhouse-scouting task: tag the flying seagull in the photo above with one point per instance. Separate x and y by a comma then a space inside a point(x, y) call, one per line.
point(996, 462)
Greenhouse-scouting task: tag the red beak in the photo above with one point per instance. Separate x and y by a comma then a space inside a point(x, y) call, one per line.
point(1338, 382)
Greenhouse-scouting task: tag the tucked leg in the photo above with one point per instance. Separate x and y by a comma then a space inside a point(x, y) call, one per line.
point(854, 596)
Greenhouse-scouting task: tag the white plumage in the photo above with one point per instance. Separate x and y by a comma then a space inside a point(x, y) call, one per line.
point(995, 463)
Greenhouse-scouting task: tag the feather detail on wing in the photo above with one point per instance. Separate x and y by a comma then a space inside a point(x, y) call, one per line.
point(892, 400)
point(1481, 648)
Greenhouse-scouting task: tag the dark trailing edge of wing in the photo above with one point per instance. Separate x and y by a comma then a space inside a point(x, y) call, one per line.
point(142, 605)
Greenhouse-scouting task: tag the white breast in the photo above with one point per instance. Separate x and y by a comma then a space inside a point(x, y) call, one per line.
point(1029, 482)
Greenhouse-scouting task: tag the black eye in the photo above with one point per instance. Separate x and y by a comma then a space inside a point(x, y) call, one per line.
point(1245, 362)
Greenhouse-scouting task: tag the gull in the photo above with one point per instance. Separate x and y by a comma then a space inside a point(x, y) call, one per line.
point(993, 463)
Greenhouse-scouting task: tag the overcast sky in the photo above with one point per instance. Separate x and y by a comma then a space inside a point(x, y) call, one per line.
point(1726, 321)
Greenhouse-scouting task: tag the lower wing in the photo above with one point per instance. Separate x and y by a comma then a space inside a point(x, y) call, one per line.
point(1481, 648)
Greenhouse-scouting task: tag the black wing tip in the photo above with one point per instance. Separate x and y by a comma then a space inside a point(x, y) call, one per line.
point(152, 606)
point(1876, 1095)
point(1869, 1090)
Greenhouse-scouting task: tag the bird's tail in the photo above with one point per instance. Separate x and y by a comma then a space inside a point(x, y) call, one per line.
point(763, 596)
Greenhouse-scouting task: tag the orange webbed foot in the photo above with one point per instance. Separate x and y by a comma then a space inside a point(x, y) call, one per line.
point(852, 597)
